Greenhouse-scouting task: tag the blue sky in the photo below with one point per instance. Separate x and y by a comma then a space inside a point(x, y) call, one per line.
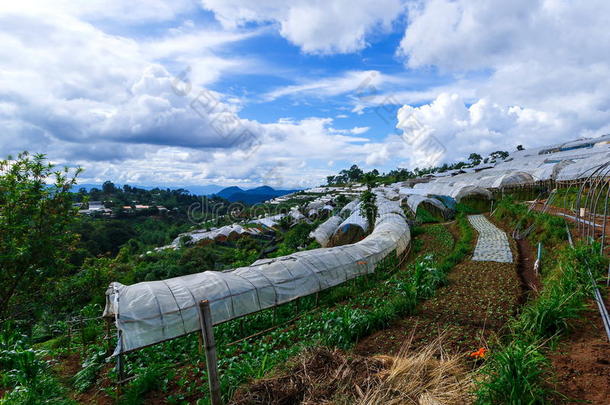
point(241, 92)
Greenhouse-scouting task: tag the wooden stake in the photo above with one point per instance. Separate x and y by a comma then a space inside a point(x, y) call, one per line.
point(119, 365)
point(207, 331)
point(107, 337)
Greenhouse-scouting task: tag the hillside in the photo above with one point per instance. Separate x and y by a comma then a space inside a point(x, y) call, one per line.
point(251, 196)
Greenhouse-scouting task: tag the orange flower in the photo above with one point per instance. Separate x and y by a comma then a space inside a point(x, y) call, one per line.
point(479, 354)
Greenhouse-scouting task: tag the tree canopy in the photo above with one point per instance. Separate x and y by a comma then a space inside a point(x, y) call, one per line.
point(36, 212)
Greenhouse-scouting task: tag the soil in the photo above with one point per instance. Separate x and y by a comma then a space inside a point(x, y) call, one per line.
point(525, 255)
point(475, 305)
point(478, 301)
point(582, 361)
point(316, 376)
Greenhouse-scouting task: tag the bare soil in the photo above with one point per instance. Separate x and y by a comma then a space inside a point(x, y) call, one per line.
point(476, 304)
point(315, 377)
point(525, 256)
point(582, 361)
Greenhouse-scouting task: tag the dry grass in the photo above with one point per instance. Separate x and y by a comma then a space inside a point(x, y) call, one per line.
point(325, 376)
point(428, 377)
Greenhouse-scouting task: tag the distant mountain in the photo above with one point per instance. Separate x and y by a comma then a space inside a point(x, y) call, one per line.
point(196, 190)
point(252, 196)
point(228, 192)
point(233, 193)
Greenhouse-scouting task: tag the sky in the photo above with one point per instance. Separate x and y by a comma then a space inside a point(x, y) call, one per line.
point(285, 93)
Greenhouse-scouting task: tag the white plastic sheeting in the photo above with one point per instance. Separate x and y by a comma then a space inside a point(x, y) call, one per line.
point(568, 161)
point(348, 208)
point(226, 231)
point(273, 220)
point(269, 221)
point(151, 312)
point(414, 200)
point(356, 218)
point(323, 233)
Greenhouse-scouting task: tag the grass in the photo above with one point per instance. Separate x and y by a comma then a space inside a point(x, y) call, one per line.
point(345, 314)
point(517, 371)
point(429, 376)
point(514, 375)
point(325, 375)
point(548, 229)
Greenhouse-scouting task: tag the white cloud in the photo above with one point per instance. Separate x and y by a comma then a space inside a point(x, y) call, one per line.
point(481, 127)
point(361, 85)
point(359, 130)
point(133, 11)
point(319, 26)
point(104, 102)
point(543, 68)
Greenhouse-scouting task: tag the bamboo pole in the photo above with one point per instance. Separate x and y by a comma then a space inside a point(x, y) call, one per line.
point(207, 331)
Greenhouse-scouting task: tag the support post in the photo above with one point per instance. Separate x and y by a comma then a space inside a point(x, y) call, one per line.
point(119, 368)
point(82, 336)
point(207, 331)
point(537, 264)
point(107, 337)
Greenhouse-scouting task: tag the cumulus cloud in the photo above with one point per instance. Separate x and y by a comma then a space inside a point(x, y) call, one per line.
point(67, 81)
point(320, 26)
point(449, 126)
point(542, 67)
point(106, 102)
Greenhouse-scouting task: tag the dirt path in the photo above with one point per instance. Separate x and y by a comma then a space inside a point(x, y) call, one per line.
point(477, 302)
point(525, 256)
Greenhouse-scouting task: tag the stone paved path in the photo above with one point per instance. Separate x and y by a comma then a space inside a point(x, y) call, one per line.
point(492, 245)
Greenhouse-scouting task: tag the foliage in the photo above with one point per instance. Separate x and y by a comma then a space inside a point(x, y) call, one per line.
point(145, 382)
point(515, 375)
point(25, 372)
point(35, 219)
point(549, 229)
point(370, 179)
point(516, 371)
point(92, 366)
point(368, 207)
point(424, 216)
point(563, 298)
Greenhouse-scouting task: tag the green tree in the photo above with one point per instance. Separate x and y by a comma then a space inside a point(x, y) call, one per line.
point(108, 187)
point(475, 158)
point(370, 179)
point(499, 154)
point(35, 219)
point(368, 209)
